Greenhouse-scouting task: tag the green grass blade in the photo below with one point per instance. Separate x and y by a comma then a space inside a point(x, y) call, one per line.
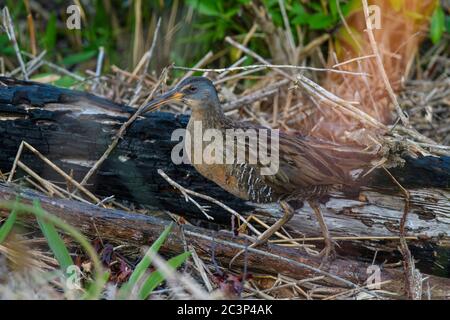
point(156, 278)
point(96, 287)
point(437, 26)
point(50, 34)
point(76, 235)
point(55, 242)
point(8, 224)
point(79, 57)
point(143, 265)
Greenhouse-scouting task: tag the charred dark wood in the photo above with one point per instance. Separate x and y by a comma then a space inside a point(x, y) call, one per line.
point(124, 227)
point(73, 129)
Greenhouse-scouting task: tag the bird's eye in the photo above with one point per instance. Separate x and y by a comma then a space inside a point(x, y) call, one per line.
point(193, 89)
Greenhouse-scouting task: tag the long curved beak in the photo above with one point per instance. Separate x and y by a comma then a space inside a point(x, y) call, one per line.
point(169, 96)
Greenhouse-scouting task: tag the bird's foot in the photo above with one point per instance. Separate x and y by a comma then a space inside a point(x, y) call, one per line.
point(328, 253)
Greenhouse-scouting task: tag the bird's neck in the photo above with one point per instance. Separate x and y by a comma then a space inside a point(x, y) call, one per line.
point(210, 115)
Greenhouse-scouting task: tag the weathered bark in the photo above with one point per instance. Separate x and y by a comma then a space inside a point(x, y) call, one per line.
point(120, 226)
point(73, 129)
point(377, 215)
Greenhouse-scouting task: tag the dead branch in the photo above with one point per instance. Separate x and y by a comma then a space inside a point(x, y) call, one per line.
point(72, 130)
point(140, 229)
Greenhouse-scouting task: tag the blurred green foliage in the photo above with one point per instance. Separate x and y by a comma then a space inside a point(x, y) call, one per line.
point(140, 279)
point(199, 26)
point(437, 26)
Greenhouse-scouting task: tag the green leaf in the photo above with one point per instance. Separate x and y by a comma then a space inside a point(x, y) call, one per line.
point(320, 21)
point(7, 226)
point(55, 242)
point(50, 33)
point(301, 18)
point(271, 3)
point(276, 16)
point(220, 30)
point(143, 265)
point(205, 7)
point(65, 82)
point(95, 287)
point(5, 46)
point(54, 220)
point(297, 8)
point(333, 8)
point(447, 23)
point(156, 278)
point(231, 13)
point(79, 57)
point(316, 6)
point(437, 24)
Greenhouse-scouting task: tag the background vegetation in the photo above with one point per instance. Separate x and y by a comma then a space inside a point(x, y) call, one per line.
point(189, 30)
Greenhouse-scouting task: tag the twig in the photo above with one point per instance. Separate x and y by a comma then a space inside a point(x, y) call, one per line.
point(236, 64)
point(30, 65)
point(107, 199)
point(208, 198)
point(257, 57)
point(31, 29)
point(282, 258)
point(317, 42)
point(413, 133)
point(408, 261)
point(344, 238)
point(54, 167)
point(43, 182)
point(287, 26)
point(327, 96)
point(353, 60)
point(173, 276)
point(272, 66)
point(380, 66)
point(98, 69)
point(16, 159)
point(58, 68)
point(127, 74)
point(353, 291)
point(184, 192)
point(237, 76)
point(255, 96)
point(120, 134)
point(197, 66)
point(148, 57)
point(36, 185)
point(9, 29)
point(284, 238)
point(201, 268)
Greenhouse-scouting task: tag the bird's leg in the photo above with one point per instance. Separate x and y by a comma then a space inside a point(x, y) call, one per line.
point(288, 212)
point(329, 251)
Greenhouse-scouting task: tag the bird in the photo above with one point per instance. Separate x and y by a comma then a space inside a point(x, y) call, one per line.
point(308, 168)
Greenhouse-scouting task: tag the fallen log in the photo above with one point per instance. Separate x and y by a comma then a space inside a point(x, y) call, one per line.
point(120, 226)
point(73, 129)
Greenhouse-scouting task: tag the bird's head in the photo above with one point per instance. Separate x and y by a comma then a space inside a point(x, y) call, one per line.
point(198, 93)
